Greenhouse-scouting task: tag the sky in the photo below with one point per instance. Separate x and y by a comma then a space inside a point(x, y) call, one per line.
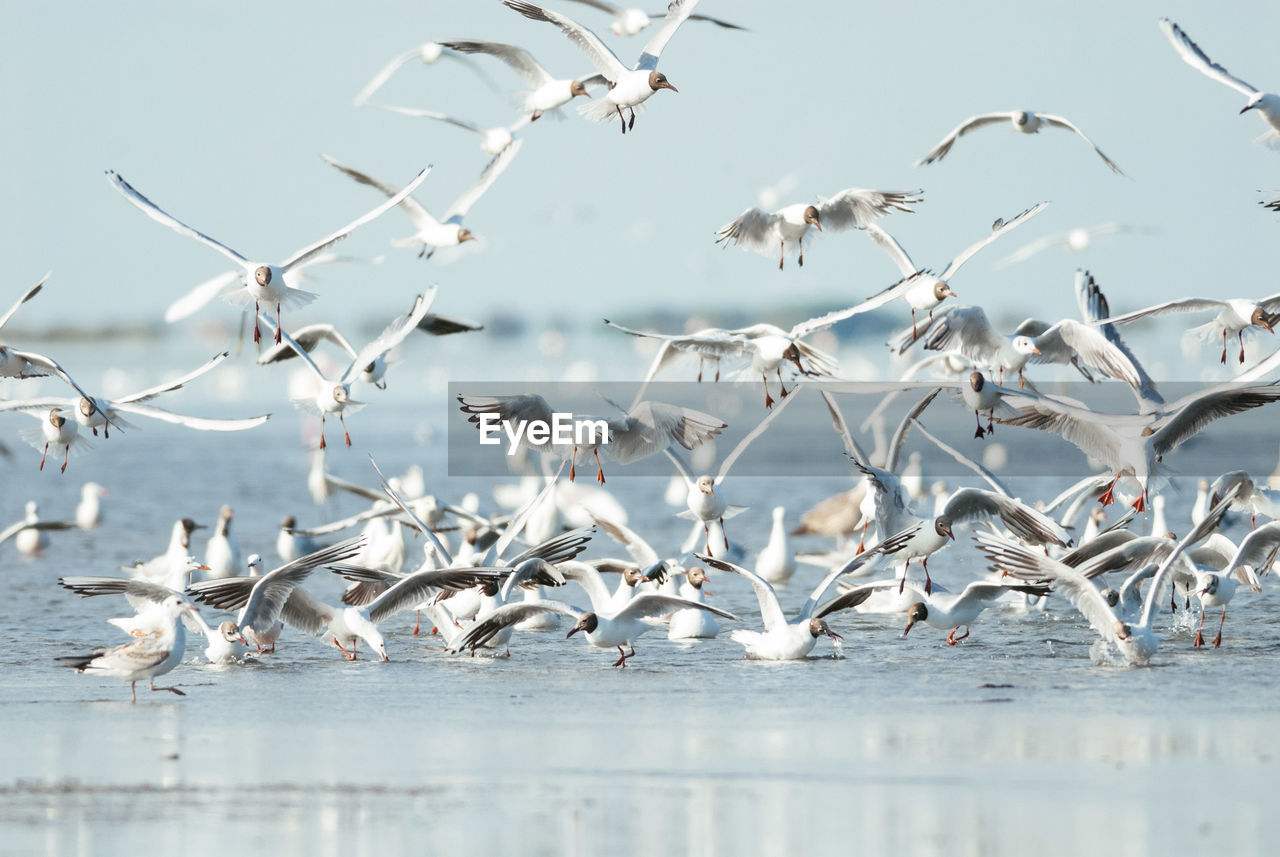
point(219, 112)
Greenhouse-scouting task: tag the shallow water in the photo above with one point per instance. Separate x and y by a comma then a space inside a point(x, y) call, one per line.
point(1014, 740)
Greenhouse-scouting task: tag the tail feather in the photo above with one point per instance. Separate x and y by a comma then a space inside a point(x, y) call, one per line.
point(604, 110)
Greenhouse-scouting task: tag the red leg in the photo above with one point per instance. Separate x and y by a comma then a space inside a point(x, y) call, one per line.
point(44, 456)
point(1106, 498)
point(768, 400)
point(1217, 641)
point(1241, 335)
point(928, 581)
point(346, 435)
point(780, 384)
point(1223, 359)
point(322, 443)
point(1199, 640)
point(65, 455)
point(573, 465)
point(277, 324)
point(862, 541)
point(724, 533)
point(1140, 504)
point(257, 334)
point(417, 619)
point(599, 468)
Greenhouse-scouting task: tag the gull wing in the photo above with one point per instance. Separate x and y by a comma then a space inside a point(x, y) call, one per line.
point(420, 216)
point(753, 229)
point(973, 123)
point(155, 212)
point(1063, 122)
point(26, 296)
point(770, 610)
point(760, 429)
point(677, 13)
point(856, 208)
point(1199, 60)
point(272, 590)
point(492, 170)
point(328, 241)
point(392, 335)
point(605, 60)
point(1179, 305)
point(520, 60)
point(1000, 227)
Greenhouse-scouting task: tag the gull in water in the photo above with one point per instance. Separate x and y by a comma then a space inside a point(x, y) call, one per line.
point(144, 658)
point(334, 394)
point(1235, 315)
point(1135, 641)
point(547, 93)
point(263, 282)
point(1215, 587)
point(31, 535)
point(919, 288)
point(147, 599)
point(786, 639)
point(945, 611)
point(628, 88)
point(1267, 104)
point(89, 510)
point(647, 429)
point(222, 551)
point(775, 562)
point(448, 232)
point(171, 567)
point(788, 227)
point(1023, 121)
point(1249, 496)
point(629, 21)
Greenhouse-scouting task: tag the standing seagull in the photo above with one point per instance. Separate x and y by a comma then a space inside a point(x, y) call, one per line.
point(548, 93)
point(788, 227)
point(1268, 104)
point(1023, 120)
point(263, 281)
point(628, 88)
point(448, 232)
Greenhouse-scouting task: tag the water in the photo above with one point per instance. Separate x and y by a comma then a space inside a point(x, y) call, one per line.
point(1013, 741)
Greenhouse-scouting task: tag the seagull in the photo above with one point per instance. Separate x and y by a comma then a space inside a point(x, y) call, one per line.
point(146, 657)
point(1136, 641)
point(547, 93)
point(940, 610)
point(89, 510)
point(492, 140)
point(775, 562)
point(265, 596)
point(334, 394)
point(786, 639)
point(628, 88)
point(919, 288)
point(788, 228)
point(1024, 121)
point(1266, 103)
point(647, 429)
point(428, 53)
point(690, 624)
point(628, 22)
point(1135, 444)
point(607, 630)
point(222, 551)
point(99, 412)
point(1074, 240)
point(55, 430)
point(704, 503)
point(25, 364)
point(1250, 497)
point(263, 281)
point(1235, 315)
point(1214, 588)
point(448, 232)
point(145, 597)
point(30, 535)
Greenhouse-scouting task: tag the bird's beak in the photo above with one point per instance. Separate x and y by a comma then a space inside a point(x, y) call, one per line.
point(667, 85)
point(1266, 325)
point(466, 239)
point(575, 629)
point(907, 630)
point(1035, 350)
point(1246, 107)
point(833, 635)
point(385, 659)
point(355, 402)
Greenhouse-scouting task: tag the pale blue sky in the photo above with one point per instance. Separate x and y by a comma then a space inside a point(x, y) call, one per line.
point(219, 112)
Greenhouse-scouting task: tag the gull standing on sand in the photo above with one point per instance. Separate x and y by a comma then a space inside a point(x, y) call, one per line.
point(263, 282)
point(788, 227)
point(1023, 121)
point(628, 88)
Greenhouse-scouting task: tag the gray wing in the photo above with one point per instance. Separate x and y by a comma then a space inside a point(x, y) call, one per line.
point(507, 615)
point(517, 410)
point(771, 614)
point(1199, 60)
point(966, 328)
point(272, 589)
point(856, 208)
point(557, 549)
point(760, 429)
point(1204, 408)
point(1094, 309)
point(488, 176)
point(1000, 227)
point(1063, 122)
point(439, 325)
point(306, 337)
point(899, 256)
point(169, 386)
point(899, 438)
point(637, 548)
point(651, 427)
point(973, 123)
point(974, 504)
point(677, 12)
point(1179, 305)
point(303, 613)
point(140, 594)
point(26, 296)
point(14, 529)
point(391, 336)
point(754, 229)
point(960, 458)
point(155, 212)
point(413, 589)
point(605, 61)
point(650, 605)
point(520, 60)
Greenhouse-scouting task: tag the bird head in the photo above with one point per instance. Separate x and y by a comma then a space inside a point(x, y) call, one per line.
point(918, 612)
point(811, 217)
point(464, 235)
point(658, 80)
point(576, 88)
point(588, 623)
point(818, 627)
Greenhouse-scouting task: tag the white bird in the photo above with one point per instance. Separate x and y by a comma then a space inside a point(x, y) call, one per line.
point(144, 658)
point(55, 430)
point(942, 610)
point(99, 412)
point(1023, 121)
point(775, 562)
point(171, 566)
point(1074, 240)
point(647, 429)
point(1249, 496)
point(788, 227)
point(89, 510)
point(607, 630)
point(629, 21)
point(786, 639)
point(1267, 104)
point(1235, 315)
point(31, 535)
point(1135, 641)
point(428, 53)
point(691, 624)
point(919, 288)
point(333, 395)
point(704, 504)
point(546, 93)
point(25, 364)
point(150, 619)
point(628, 88)
point(1215, 587)
point(492, 140)
point(448, 232)
point(222, 551)
point(262, 281)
